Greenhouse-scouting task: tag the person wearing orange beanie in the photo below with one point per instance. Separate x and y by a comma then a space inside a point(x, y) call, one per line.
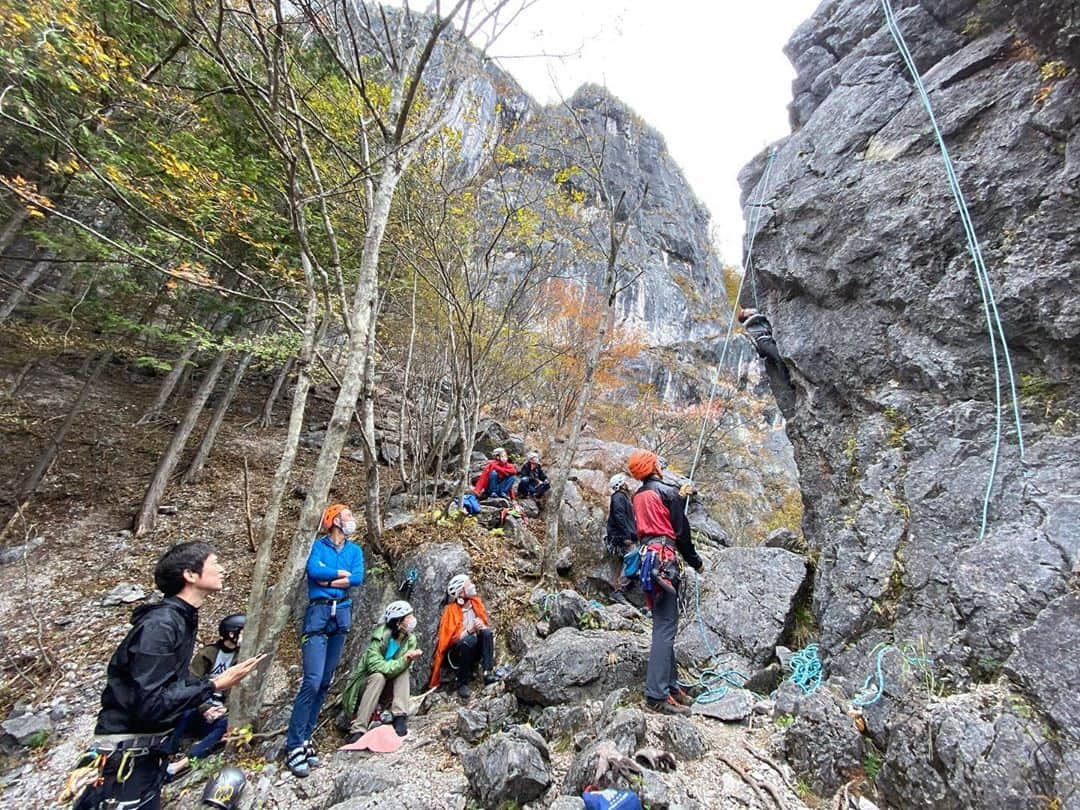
point(660, 516)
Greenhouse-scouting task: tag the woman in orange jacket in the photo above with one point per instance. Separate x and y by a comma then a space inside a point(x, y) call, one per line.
point(464, 636)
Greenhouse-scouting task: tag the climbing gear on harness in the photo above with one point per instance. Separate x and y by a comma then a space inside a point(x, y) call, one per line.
point(224, 789)
point(86, 774)
point(994, 326)
point(657, 563)
point(407, 584)
point(806, 669)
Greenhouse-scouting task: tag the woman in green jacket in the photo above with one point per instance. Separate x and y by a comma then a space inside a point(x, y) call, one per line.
point(384, 666)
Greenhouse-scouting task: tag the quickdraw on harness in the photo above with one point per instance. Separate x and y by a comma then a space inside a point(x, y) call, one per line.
point(656, 557)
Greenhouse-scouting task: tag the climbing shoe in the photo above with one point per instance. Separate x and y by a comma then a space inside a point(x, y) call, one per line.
point(313, 760)
point(667, 706)
point(464, 692)
point(399, 725)
point(682, 697)
point(297, 762)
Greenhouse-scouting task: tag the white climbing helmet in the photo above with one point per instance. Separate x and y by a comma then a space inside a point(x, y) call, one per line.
point(498, 451)
point(456, 585)
point(617, 480)
point(396, 610)
point(533, 456)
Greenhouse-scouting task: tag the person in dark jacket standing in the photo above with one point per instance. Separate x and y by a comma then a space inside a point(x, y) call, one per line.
point(334, 565)
point(148, 685)
point(621, 537)
point(532, 480)
point(660, 516)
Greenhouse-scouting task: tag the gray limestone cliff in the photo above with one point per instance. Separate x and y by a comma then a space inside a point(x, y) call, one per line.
point(864, 271)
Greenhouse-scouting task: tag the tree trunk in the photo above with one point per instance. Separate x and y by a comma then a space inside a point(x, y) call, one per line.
point(27, 284)
point(194, 471)
point(33, 479)
point(266, 419)
point(371, 458)
point(352, 381)
point(246, 699)
point(168, 385)
point(12, 228)
point(147, 515)
point(405, 388)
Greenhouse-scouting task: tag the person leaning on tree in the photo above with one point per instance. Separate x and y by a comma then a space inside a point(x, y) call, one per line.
point(148, 686)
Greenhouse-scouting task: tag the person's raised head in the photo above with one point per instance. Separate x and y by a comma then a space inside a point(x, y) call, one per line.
point(190, 568)
point(338, 522)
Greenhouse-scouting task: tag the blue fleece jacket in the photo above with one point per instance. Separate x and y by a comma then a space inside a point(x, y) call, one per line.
point(323, 564)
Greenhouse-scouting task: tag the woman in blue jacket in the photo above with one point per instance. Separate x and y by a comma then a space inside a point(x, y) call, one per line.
point(334, 565)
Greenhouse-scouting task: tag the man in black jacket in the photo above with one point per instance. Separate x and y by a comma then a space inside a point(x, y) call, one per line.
point(759, 330)
point(532, 480)
point(148, 686)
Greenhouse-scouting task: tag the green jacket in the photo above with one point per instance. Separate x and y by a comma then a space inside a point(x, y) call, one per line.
point(374, 660)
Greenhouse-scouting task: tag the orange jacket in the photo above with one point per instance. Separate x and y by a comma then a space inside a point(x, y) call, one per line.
point(450, 626)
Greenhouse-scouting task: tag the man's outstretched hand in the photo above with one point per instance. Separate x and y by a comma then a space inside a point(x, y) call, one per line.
point(236, 673)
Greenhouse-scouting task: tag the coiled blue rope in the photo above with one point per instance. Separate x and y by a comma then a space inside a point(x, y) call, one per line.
point(990, 310)
point(869, 695)
point(806, 669)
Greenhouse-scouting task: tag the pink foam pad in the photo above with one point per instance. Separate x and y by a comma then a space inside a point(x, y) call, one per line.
point(381, 739)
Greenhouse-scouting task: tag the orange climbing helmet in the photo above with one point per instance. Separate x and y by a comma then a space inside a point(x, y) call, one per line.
point(642, 463)
point(328, 515)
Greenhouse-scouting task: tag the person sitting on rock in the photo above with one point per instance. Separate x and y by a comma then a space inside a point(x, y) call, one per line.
point(497, 479)
point(759, 330)
point(384, 667)
point(210, 721)
point(621, 537)
point(532, 480)
point(464, 637)
point(660, 517)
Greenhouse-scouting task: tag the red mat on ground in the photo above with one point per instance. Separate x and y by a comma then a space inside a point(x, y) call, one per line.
point(381, 739)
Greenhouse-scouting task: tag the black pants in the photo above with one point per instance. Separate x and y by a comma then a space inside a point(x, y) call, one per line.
point(140, 790)
point(768, 351)
point(462, 656)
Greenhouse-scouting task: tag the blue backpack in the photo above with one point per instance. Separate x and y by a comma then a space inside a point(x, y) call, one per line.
point(611, 799)
point(469, 504)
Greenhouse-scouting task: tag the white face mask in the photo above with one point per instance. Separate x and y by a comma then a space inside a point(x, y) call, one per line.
point(348, 528)
point(408, 624)
point(470, 590)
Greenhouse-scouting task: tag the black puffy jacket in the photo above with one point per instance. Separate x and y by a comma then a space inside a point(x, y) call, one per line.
point(620, 519)
point(148, 685)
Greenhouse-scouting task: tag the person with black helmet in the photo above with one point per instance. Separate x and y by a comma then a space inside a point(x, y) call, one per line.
point(209, 722)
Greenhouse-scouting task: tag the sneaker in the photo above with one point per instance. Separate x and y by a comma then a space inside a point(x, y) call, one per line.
point(464, 692)
point(175, 770)
point(297, 762)
point(682, 697)
point(313, 760)
point(668, 706)
point(399, 725)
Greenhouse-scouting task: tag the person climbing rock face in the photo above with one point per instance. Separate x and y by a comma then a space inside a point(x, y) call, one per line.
point(532, 480)
point(660, 516)
point(464, 637)
point(149, 687)
point(621, 537)
point(498, 477)
point(759, 330)
point(334, 565)
point(384, 667)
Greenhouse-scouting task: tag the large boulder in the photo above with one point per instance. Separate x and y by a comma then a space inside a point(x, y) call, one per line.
point(747, 596)
point(823, 743)
point(574, 665)
point(509, 767)
point(564, 609)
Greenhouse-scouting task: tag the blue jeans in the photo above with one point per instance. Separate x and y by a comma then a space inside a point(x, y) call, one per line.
point(194, 724)
point(323, 638)
point(532, 487)
point(496, 488)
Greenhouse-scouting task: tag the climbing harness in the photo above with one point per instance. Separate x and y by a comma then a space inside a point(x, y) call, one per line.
point(869, 695)
point(990, 310)
point(806, 669)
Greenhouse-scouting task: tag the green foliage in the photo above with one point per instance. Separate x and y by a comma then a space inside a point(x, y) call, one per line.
point(897, 428)
point(872, 763)
point(974, 26)
point(788, 515)
point(784, 720)
point(38, 739)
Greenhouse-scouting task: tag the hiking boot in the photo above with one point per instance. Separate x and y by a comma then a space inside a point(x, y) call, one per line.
point(667, 706)
point(490, 678)
point(313, 760)
point(399, 725)
point(297, 762)
point(682, 697)
point(464, 692)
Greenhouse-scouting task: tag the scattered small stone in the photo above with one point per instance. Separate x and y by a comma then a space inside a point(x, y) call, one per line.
point(734, 706)
point(168, 509)
point(124, 593)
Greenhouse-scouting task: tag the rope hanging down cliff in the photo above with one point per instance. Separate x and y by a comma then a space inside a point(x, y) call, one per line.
point(993, 319)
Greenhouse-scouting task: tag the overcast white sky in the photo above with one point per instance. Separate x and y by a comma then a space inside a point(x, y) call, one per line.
point(710, 76)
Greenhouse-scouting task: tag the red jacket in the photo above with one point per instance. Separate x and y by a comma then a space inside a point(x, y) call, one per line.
point(503, 468)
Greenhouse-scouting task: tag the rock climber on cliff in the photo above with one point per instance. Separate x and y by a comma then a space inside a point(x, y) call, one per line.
point(759, 330)
point(660, 516)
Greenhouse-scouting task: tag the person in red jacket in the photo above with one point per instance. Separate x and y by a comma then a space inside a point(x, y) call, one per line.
point(497, 479)
point(660, 517)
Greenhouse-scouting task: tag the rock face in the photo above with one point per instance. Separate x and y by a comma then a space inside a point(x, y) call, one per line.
point(511, 766)
point(864, 271)
point(571, 665)
point(747, 596)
